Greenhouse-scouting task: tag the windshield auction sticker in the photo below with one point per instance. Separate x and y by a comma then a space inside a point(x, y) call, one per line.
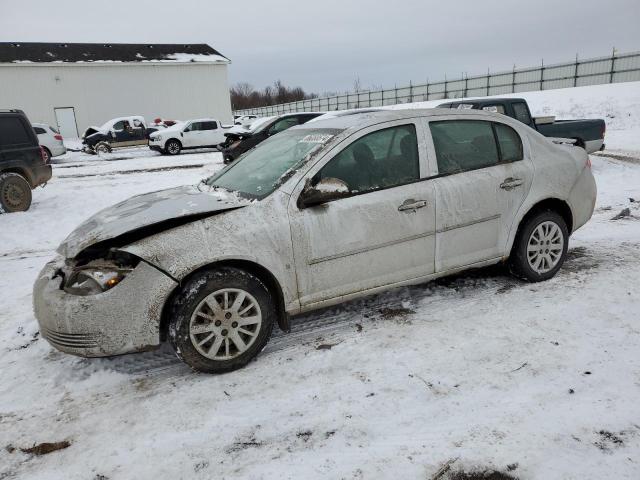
point(316, 138)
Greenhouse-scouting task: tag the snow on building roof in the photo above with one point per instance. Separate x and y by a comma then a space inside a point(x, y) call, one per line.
point(14, 52)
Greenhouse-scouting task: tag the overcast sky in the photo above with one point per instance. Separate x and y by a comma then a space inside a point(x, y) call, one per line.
point(324, 45)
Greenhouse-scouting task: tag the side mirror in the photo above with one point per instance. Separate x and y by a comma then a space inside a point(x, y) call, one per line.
point(326, 190)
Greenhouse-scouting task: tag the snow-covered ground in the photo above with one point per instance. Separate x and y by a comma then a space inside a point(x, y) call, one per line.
point(536, 380)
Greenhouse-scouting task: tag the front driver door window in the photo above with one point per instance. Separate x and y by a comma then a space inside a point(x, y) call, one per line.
point(120, 131)
point(191, 135)
point(383, 233)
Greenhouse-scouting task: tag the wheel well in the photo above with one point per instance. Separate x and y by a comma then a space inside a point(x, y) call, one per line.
point(255, 269)
point(579, 142)
point(175, 140)
point(21, 172)
point(553, 204)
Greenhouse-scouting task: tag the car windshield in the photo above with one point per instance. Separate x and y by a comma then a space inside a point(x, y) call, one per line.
point(258, 172)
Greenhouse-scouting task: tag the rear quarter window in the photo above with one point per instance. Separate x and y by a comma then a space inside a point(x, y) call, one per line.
point(509, 142)
point(13, 131)
point(39, 130)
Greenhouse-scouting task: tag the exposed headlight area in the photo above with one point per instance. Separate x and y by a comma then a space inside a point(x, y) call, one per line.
point(98, 276)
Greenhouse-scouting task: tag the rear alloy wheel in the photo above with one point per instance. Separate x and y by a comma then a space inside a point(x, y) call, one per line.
point(15, 193)
point(173, 147)
point(221, 319)
point(540, 247)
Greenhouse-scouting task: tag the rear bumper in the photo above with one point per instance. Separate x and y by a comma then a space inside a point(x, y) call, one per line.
point(593, 145)
point(57, 150)
point(124, 319)
point(582, 198)
point(41, 174)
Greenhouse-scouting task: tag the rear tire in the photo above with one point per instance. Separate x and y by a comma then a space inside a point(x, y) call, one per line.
point(540, 247)
point(173, 147)
point(15, 193)
point(221, 319)
point(46, 154)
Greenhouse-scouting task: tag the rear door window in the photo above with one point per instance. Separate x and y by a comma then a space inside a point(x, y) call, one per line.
point(13, 131)
point(463, 145)
point(209, 125)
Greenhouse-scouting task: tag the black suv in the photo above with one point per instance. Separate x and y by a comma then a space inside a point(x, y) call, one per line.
point(22, 162)
point(239, 142)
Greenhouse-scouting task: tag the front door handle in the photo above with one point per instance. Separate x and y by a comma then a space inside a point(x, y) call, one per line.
point(510, 183)
point(411, 205)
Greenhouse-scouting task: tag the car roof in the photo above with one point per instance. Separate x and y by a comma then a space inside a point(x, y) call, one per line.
point(484, 101)
point(371, 117)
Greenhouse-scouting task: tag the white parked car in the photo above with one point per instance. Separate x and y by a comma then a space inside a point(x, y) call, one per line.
point(201, 133)
point(244, 120)
point(321, 213)
point(50, 140)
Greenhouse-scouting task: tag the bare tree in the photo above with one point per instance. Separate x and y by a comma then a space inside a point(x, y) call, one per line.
point(243, 95)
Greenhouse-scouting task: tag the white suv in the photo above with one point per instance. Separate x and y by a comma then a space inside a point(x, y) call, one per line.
point(200, 133)
point(50, 140)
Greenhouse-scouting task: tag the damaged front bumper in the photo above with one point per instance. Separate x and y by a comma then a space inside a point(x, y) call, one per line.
point(124, 319)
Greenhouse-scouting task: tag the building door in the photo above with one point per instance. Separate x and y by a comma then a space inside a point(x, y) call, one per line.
point(66, 120)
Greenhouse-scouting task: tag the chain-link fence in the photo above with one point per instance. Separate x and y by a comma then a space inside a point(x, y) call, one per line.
point(593, 71)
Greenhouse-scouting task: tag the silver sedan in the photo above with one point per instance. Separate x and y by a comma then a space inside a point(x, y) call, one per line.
point(317, 215)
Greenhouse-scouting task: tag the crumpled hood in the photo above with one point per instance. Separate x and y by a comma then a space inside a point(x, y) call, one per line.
point(145, 210)
point(92, 130)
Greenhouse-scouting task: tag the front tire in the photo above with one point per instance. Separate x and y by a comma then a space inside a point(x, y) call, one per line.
point(15, 193)
point(102, 148)
point(221, 319)
point(540, 247)
point(173, 147)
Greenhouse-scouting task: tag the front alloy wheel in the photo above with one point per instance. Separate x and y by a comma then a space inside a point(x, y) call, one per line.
point(225, 324)
point(173, 147)
point(221, 319)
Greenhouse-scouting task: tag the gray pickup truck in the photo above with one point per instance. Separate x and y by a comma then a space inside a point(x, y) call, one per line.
point(588, 134)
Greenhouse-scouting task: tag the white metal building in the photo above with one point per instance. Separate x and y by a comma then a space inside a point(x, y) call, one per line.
point(76, 85)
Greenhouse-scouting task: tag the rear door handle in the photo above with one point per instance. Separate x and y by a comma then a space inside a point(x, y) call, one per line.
point(411, 205)
point(510, 183)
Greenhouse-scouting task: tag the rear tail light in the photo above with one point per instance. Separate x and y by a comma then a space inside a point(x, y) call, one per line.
point(588, 163)
point(58, 137)
point(604, 129)
point(43, 155)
